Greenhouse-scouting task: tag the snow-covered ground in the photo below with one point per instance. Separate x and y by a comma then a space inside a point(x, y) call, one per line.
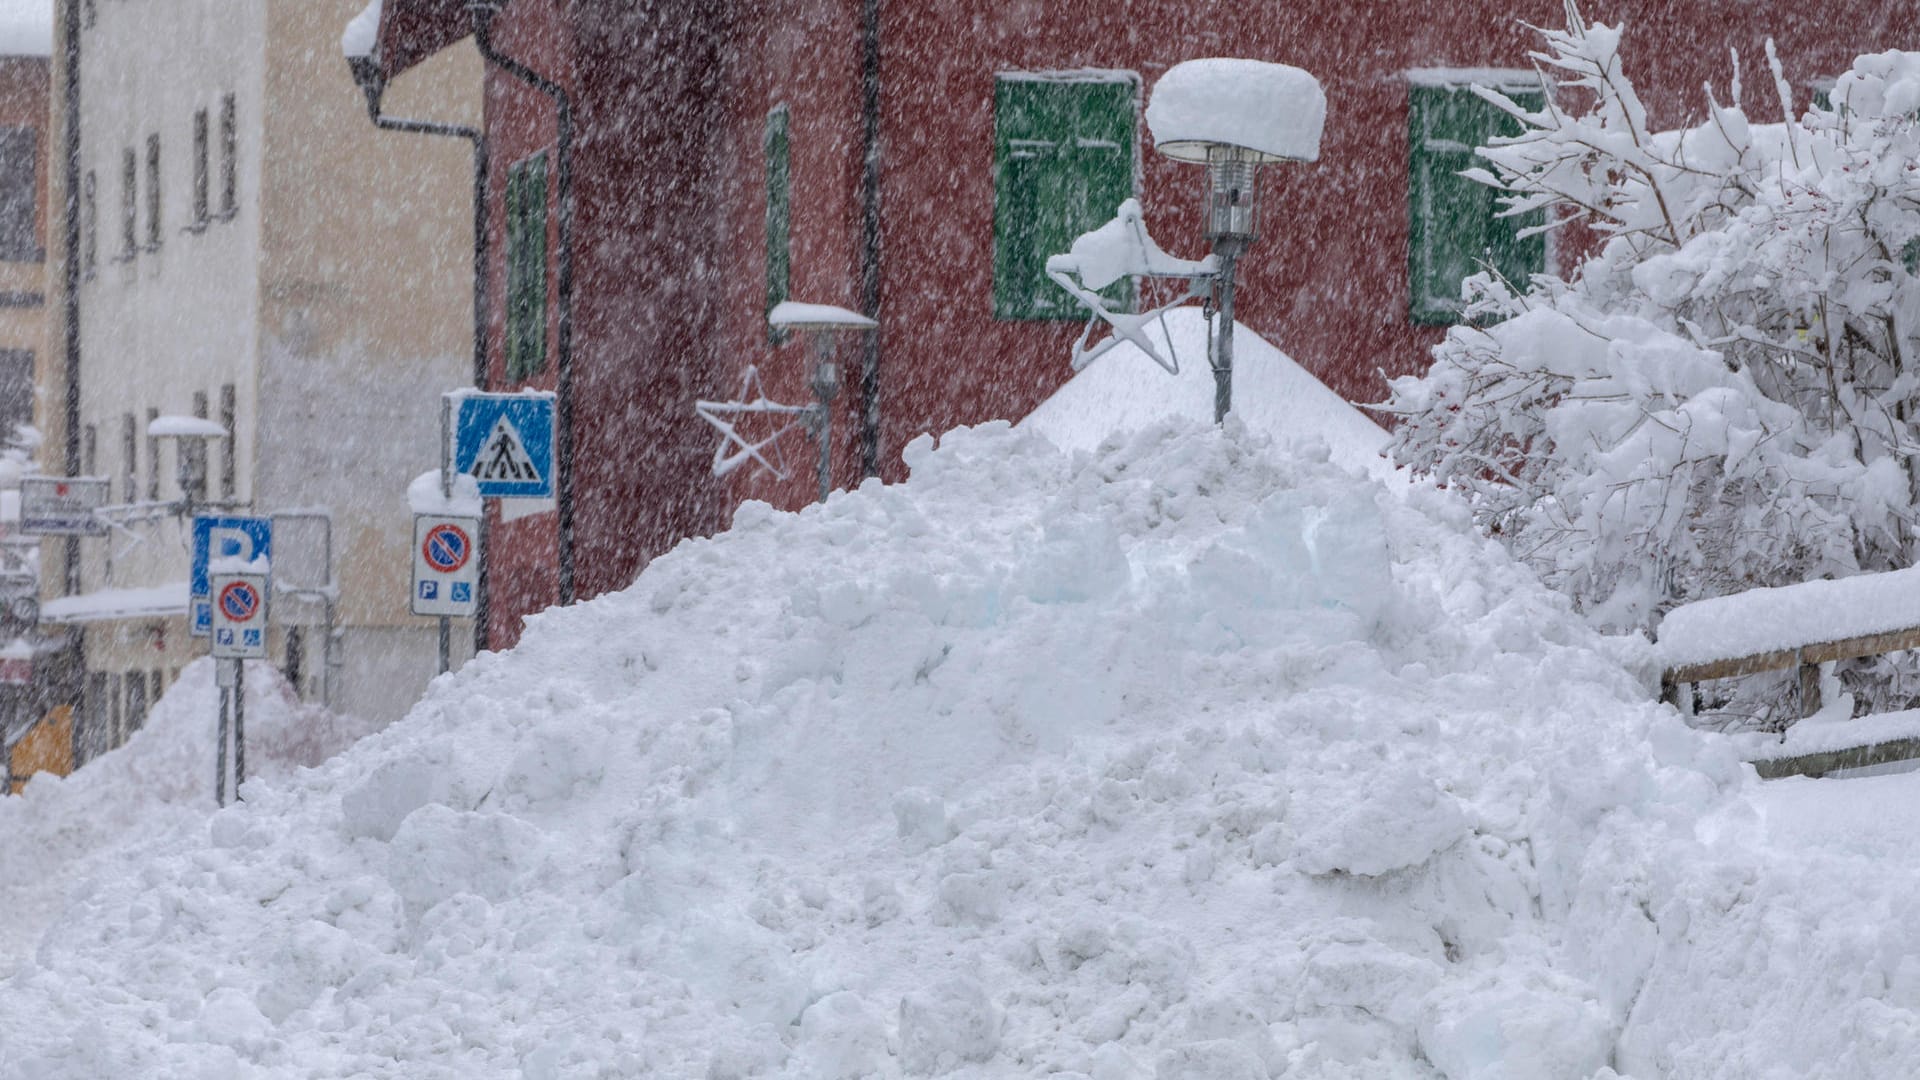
point(1184, 758)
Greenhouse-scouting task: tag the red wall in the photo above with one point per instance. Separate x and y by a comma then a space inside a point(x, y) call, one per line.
point(670, 180)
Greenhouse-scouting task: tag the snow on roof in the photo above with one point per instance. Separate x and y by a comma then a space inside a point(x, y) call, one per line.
point(798, 316)
point(1272, 394)
point(105, 605)
point(26, 27)
point(1766, 620)
point(362, 35)
point(179, 426)
point(1273, 109)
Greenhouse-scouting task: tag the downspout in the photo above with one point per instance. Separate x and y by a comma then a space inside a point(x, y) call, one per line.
point(483, 13)
point(70, 273)
point(870, 234)
point(366, 73)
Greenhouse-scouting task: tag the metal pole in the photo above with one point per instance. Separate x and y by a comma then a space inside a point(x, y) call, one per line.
point(825, 381)
point(239, 726)
point(446, 492)
point(220, 749)
point(1228, 250)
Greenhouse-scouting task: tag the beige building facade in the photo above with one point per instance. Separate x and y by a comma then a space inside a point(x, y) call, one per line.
point(249, 248)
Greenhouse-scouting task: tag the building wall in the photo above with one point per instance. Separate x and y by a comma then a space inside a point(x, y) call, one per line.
point(24, 85)
point(366, 318)
point(336, 301)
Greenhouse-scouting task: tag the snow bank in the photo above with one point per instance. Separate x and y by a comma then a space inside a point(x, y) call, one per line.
point(1272, 395)
point(60, 836)
point(1179, 759)
point(1275, 110)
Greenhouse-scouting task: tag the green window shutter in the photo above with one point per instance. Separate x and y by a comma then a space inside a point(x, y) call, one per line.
point(779, 213)
point(1063, 162)
point(1453, 222)
point(527, 267)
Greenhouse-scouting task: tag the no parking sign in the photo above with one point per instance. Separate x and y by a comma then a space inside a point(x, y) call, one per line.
point(239, 616)
point(446, 565)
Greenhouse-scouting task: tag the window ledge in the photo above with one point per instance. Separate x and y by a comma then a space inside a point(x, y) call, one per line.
point(196, 228)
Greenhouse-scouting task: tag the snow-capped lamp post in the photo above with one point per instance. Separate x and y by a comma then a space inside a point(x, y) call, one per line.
point(821, 322)
point(191, 435)
point(1232, 116)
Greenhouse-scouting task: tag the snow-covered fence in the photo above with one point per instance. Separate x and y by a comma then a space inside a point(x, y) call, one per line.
point(1796, 626)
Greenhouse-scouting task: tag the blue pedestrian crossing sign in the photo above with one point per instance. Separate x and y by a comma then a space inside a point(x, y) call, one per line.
point(505, 442)
point(244, 539)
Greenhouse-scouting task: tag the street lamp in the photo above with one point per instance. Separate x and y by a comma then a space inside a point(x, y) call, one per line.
point(191, 434)
point(820, 322)
point(1234, 116)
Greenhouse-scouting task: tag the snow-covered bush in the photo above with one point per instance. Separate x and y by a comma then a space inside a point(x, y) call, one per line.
point(1723, 394)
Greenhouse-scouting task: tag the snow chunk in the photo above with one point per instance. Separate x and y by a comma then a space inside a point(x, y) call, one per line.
point(1123, 248)
point(361, 38)
point(1274, 110)
point(1395, 819)
point(185, 427)
point(424, 496)
point(948, 1025)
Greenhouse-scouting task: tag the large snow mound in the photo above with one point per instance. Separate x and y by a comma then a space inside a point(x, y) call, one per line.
point(1184, 758)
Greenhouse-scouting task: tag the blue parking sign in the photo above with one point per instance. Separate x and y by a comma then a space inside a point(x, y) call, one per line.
point(505, 442)
point(245, 538)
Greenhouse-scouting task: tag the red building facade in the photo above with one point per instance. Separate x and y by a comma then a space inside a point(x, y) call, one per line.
point(845, 152)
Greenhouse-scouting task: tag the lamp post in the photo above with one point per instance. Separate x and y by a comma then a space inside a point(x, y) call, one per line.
point(821, 322)
point(1234, 116)
point(190, 434)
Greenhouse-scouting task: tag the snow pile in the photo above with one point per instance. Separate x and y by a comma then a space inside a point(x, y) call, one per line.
point(1272, 395)
point(65, 835)
point(1181, 760)
point(426, 494)
point(1273, 109)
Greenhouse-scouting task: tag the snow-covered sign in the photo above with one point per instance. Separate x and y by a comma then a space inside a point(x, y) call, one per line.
point(1274, 110)
point(239, 616)
point(62, 505)
point(505, 442)
point(230, 540)
point(446, 565)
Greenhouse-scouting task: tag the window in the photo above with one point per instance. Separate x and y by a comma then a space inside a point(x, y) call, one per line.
point(229, 410)
point(201, 213)
point(153, 458)
point(527, 267)
point(129, 200)
point(16, 391)
point(1063, 162)
point(1453, 222)
point(19, 172)
point(129, 454)
point(229, 158)
point(779, 213)
point(153, 193)
point(136, 701)
point(90, 255)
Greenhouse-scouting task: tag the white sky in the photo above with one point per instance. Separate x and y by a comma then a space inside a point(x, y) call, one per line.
point(26, 27)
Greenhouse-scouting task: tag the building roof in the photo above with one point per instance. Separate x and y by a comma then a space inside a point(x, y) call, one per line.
point(26, 28)
point(409, 31)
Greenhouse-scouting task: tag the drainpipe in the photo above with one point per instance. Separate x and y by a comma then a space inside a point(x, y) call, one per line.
point(70, 273)
point(366, 74)
point(870, 234)
point(483, 15)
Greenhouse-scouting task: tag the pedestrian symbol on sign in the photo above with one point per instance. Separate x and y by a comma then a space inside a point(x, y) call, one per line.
point(504, 458)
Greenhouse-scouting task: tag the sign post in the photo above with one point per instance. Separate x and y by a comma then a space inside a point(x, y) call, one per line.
point(239, 629)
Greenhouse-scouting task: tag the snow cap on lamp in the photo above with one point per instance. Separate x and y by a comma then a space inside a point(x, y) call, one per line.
point(1273, 110)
